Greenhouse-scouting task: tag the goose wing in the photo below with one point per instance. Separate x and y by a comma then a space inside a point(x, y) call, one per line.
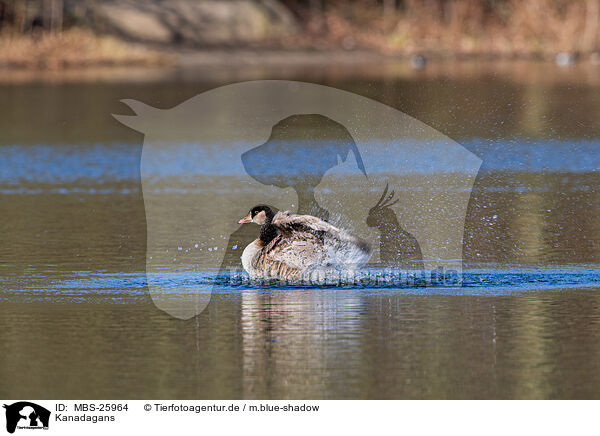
point(289, 223)
point(298, 252)
point(288, 256)
point(326, 234)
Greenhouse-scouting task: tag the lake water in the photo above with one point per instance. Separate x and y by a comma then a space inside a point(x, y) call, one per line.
point(77, 319)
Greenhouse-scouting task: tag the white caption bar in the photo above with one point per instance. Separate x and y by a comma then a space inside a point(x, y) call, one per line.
point(299, 417)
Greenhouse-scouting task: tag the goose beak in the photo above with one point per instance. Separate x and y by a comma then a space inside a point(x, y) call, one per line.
point(247, 219)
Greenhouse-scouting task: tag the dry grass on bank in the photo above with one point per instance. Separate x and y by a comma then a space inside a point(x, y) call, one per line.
point(444, 28)
point(73, 48)
point(507, 28)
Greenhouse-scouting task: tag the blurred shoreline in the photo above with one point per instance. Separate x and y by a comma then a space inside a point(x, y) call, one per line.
point(152, 33)
point(79, 49)
point(229, 65)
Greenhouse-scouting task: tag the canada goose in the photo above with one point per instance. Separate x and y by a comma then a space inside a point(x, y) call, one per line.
point(290, 246)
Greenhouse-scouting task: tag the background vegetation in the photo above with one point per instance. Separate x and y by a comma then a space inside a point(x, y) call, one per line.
point(503, 27)
point(31, 30)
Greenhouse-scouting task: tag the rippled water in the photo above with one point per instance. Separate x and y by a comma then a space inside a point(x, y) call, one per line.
point(77, 320)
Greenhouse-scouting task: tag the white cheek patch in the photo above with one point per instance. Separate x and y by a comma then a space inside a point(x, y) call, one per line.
point(260, 217)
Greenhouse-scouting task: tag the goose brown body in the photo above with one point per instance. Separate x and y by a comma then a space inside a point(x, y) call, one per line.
point(290, 246)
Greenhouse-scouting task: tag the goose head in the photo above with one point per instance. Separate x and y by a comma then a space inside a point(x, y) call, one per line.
point(258, 215)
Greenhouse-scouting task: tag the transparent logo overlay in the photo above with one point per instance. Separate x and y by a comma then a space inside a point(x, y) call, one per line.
point(364, 167)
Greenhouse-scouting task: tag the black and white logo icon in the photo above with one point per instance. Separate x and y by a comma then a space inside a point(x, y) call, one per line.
point(26, 415)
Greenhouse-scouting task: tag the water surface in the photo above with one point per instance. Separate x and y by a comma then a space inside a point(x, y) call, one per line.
point(77, 321)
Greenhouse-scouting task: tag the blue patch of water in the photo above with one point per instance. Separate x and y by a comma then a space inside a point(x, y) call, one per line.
point(86, 286)
point(102, 163)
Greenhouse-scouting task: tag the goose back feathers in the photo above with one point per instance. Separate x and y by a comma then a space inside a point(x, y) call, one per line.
point(291, 246)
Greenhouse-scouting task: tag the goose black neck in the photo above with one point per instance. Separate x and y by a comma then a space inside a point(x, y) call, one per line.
point(268, 231)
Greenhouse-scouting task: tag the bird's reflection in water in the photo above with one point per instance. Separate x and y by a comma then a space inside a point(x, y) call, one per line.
point(288, 337)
